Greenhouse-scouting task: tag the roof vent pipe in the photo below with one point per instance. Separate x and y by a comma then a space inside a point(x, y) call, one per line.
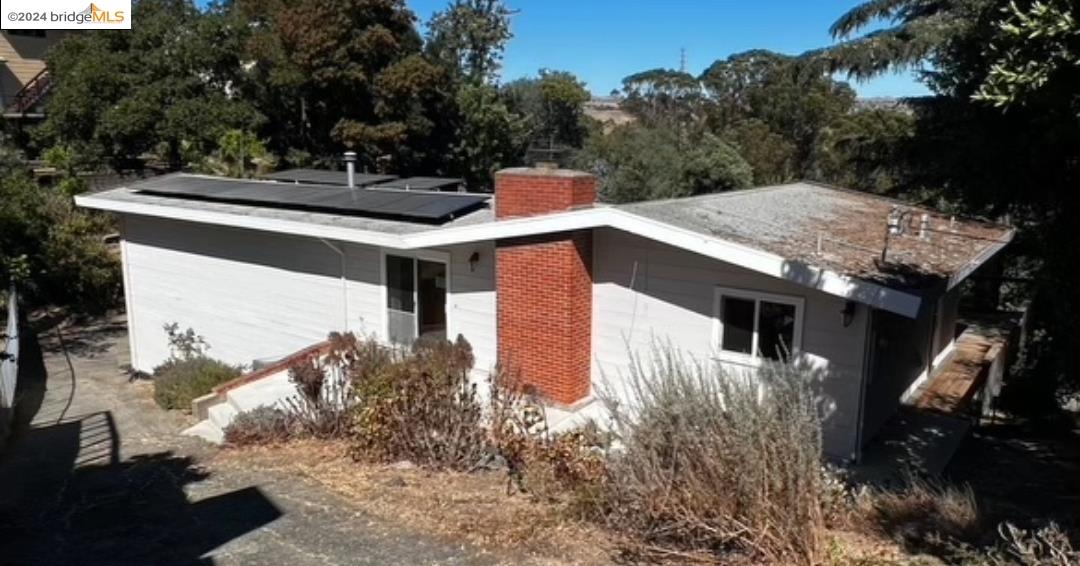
point(924, 227)
point(350, 169)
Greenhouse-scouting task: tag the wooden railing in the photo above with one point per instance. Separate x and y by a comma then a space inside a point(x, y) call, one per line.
point(31, 93)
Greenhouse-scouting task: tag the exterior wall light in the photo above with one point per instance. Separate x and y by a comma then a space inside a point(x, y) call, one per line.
point(848, 314)
point(473, 260)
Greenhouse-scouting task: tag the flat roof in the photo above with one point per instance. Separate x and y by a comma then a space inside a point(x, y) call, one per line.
point(418, 206)
point(327, 177)
point(423, 183)
point(836, 229)
point(133, 195)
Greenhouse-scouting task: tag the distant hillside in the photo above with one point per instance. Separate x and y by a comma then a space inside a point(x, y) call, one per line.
point(882, 103)
point(605, 109)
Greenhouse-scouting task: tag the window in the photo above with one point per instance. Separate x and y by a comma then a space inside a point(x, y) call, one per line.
point(754, 326)
point(415, 298)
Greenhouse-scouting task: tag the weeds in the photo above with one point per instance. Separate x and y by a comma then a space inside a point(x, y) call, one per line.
point(716, 462)
point(262, 425)
point(923, 513)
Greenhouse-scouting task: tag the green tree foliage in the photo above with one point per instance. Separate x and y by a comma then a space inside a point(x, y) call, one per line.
point(469, 38)
point(119, 94)
point(1035, 46)
point(780, 110)
point(663, 97)
point(637, 162)
point(490, 136)
point(52, 250)
point(1020, 162)
point(315, 66)
point(553, 102)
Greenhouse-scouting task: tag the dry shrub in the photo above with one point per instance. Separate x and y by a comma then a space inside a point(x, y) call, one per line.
point(1047, 546)
point(262, 425)
point(419, 406)
point(716, 462)
point(323, 404)
point(922, 513)
point(573, 463)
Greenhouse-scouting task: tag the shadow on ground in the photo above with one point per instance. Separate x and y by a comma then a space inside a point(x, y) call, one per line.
point(1026, 473)
point(67, 496)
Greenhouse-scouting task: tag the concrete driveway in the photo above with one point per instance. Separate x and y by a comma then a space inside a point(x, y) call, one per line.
point(98, 474)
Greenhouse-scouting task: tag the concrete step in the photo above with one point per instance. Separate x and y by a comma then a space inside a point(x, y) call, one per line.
point(207, 431)
point(269, 391)
point(222, 414)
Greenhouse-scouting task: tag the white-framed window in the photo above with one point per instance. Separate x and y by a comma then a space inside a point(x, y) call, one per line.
point(416, 289)
point(750, 326)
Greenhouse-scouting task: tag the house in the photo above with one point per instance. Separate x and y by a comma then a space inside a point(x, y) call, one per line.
point(862, 288)
point(24, 78)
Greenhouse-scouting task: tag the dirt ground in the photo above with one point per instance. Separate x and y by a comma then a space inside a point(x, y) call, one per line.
point(97, 474)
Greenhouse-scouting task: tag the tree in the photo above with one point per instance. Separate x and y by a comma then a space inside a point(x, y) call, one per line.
point(490, 136)
point(663, 96)
point(119, 94)
point(1036, 46)
point(554, 104)
point(313, 66)
point(636, 162)
point(52, 250)
point(469, 38)
point(787, 103)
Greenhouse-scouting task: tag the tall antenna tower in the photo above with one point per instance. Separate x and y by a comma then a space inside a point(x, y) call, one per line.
point(682, 59)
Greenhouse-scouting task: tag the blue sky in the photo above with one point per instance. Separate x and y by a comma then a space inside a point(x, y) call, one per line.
point(602, 41)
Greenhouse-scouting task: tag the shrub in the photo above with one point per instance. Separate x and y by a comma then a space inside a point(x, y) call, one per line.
point(1047, 546)
point(262, 425)
point(708, 461)
point(922, 512)
point(179, 381)
point(418, 406)
point(322, 406)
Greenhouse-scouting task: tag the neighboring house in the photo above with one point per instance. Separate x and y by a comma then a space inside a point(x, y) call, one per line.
point(24, 79)
point(561, 288)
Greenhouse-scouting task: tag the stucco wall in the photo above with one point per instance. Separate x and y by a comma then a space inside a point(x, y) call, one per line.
point(646, 292)
point(256, 295)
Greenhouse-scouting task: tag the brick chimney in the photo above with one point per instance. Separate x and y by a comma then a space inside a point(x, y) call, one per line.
point(544, 284)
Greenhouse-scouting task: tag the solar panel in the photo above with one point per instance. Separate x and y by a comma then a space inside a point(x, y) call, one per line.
point(327, 177)
point(423, 184)
point(374, 203)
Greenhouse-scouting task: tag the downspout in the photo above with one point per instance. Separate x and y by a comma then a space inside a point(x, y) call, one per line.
point(868, 367)
point(344, 286)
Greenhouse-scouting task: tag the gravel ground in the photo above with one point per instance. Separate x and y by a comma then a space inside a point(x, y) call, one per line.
point(97, 474)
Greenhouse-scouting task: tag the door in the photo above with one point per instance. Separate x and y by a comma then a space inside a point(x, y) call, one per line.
point(415, 298)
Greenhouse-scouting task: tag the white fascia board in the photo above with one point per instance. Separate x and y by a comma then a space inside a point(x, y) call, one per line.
point(977, 261)
point(823, 280)
point(340, 234)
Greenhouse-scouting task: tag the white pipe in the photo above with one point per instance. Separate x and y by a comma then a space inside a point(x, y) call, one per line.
point(344, 286)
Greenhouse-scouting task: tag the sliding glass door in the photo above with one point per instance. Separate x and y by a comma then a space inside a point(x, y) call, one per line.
point(415, 298)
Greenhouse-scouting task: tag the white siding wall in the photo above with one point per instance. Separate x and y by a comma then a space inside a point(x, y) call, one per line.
point(256, 295)
point(646, 291)
point(472, 301)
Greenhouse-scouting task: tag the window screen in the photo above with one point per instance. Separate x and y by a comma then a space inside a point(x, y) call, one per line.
point(776, 330)
point(399, 283)
point(400, 299)
point(737, 316)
